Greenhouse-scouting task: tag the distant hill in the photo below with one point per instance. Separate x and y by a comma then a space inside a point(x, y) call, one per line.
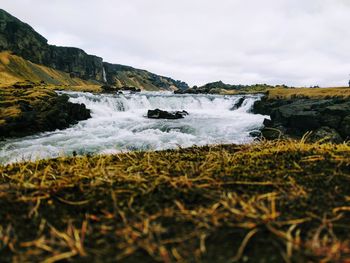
point(22, 40)
point(220, 87)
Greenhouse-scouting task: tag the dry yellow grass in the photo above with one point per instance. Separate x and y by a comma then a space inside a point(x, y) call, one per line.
point(313, 93)
point(10, 100)
point(281, 201)
point(16, 69)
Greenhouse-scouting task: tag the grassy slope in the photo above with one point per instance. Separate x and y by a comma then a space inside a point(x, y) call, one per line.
point(136, 78)
point(287, 93)
point(15, 69)
point(314, 93)
point(266, 202)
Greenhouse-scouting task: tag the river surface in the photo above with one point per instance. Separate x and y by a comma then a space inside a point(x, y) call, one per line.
point(118, 124)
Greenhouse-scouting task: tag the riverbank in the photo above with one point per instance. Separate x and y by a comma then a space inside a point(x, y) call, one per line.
point(266, 202)
point(28, 108)
point(323, 113)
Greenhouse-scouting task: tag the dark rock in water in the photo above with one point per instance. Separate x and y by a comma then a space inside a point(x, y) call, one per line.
point(268, 123)
point(160, 114)
point(256, 134)
point(132, 89)
point(109, 88)
point(114, 89)
point(238, 104)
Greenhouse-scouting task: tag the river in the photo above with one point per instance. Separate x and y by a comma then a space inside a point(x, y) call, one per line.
point(118, 124)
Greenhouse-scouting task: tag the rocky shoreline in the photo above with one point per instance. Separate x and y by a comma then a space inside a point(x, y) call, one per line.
point(28, 110)
point(327, 118)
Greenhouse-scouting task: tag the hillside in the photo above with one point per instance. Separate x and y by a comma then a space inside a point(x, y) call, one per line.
point(22, 40)
point(220, 87)
point(119, 76)
point(16, 69)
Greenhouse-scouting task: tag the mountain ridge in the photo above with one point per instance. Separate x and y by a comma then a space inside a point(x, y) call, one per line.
point(22, 40)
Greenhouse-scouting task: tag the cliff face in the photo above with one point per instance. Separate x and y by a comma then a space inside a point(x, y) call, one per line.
point(17, 69)
point(76, 62)
point(22, 40)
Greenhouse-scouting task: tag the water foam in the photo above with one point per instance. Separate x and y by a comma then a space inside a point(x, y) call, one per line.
point(119, 124)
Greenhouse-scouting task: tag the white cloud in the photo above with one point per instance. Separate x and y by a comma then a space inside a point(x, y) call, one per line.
point(238, 41)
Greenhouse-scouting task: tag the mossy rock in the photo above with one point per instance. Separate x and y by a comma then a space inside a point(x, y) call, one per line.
point(27, 111)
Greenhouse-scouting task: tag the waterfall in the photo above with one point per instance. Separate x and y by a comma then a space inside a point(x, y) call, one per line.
point(104, 77)
point(118, 124)
point(107, 104)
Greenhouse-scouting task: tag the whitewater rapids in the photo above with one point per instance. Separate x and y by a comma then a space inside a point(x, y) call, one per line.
point(118, 124)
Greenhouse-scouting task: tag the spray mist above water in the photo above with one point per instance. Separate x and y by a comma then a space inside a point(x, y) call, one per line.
point(119, 124)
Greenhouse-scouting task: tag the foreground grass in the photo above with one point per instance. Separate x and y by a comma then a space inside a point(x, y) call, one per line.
point(266, 202)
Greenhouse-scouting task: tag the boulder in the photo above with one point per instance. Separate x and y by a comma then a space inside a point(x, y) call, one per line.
point(305, 121)
point(345, 127)
point(273, 133)
point(160, 114)
point(238, 104)
point(109, 88)
point(26, 112)
point(298, 116)
point(132, 89)
point(340, 109)
point(268, 123)
point(326, 134)
point(332, 121)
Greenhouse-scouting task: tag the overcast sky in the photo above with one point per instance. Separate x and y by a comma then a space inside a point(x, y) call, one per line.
point(293, 42)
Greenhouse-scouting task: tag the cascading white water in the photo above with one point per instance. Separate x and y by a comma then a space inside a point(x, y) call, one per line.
point(104, 76)
point(118, 124)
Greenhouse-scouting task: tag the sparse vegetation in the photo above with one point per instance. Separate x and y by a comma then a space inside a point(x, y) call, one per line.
point(28, 109)
point(227, 89)
point(266, 202)
point(311, 93)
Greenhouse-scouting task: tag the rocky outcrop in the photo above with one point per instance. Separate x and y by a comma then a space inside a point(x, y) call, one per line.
point(22, 40)
point(160, 114)
point(238, 104)
point(26, 110)
point(294, 117)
